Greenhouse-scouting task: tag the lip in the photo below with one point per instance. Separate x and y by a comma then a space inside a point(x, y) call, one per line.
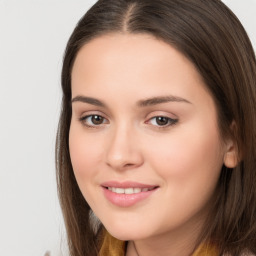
point(126, 184)
point(127, 200)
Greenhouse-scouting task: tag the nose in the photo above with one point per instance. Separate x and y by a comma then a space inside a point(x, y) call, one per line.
point(123, 150)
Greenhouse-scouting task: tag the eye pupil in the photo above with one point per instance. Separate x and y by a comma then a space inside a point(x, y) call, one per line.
point(160, 120)
point(97, 119)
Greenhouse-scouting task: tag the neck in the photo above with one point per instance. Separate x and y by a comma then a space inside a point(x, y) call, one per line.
point(135, 249)
point(174, 243)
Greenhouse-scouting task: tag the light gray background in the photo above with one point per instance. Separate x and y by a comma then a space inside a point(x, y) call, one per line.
point(33, 34)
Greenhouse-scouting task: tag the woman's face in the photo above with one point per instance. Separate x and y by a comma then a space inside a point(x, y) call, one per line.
point(144, 140)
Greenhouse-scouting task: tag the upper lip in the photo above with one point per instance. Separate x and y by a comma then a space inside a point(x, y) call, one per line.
point(126, 184)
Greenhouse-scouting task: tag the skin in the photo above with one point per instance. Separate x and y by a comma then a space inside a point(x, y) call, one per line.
point(183, 159)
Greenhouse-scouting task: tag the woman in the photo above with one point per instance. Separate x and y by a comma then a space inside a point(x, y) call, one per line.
point(157, 131)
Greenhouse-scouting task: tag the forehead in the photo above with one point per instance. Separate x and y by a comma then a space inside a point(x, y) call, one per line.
point(121, 50)
point(133, 64)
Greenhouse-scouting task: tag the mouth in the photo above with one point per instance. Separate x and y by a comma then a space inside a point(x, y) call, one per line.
point(127, 194)
point(128, 191)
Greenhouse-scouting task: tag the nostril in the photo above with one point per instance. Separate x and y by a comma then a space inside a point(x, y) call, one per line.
point(128, 165)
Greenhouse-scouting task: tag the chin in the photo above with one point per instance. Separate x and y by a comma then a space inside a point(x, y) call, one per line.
point(126, 232)
point(124, 236)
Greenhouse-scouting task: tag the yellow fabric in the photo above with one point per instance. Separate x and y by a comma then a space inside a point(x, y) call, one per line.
point(206, 250)
point(114, 247)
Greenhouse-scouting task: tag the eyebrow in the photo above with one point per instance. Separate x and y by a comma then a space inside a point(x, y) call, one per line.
point(162, 99)
point(141, 103)
point(88, 100)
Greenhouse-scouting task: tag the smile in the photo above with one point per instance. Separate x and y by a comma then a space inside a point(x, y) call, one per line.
point(127, 194)
point(129, 191)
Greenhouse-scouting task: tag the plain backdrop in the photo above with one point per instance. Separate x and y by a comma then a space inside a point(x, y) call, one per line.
point(33, 34)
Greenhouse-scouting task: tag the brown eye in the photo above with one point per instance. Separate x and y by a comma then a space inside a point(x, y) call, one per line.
point(162, 121)
point(97, 120)
point(93, 120)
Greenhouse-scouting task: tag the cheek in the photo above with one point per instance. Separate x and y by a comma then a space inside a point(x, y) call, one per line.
point(189, 167)
point(189, 158)
point(85, 154)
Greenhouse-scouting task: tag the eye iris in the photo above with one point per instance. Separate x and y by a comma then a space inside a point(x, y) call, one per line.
point(160, 120)
point(97, 119)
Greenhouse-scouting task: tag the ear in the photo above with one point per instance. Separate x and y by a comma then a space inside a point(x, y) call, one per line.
point(231, 157)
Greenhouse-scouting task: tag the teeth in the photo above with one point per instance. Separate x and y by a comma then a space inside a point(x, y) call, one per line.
point(137, 190)
point(119, 190)
point(128, 191)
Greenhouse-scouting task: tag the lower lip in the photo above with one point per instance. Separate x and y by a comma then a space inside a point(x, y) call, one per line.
point(126, 200)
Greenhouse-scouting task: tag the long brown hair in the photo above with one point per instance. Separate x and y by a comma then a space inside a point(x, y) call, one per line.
point(213, 39)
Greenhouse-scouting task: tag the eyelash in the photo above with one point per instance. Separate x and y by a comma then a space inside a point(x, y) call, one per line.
point(170, 121)
point(84, 119)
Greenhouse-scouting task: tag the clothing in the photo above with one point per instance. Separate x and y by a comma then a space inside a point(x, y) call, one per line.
point(114, 247)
